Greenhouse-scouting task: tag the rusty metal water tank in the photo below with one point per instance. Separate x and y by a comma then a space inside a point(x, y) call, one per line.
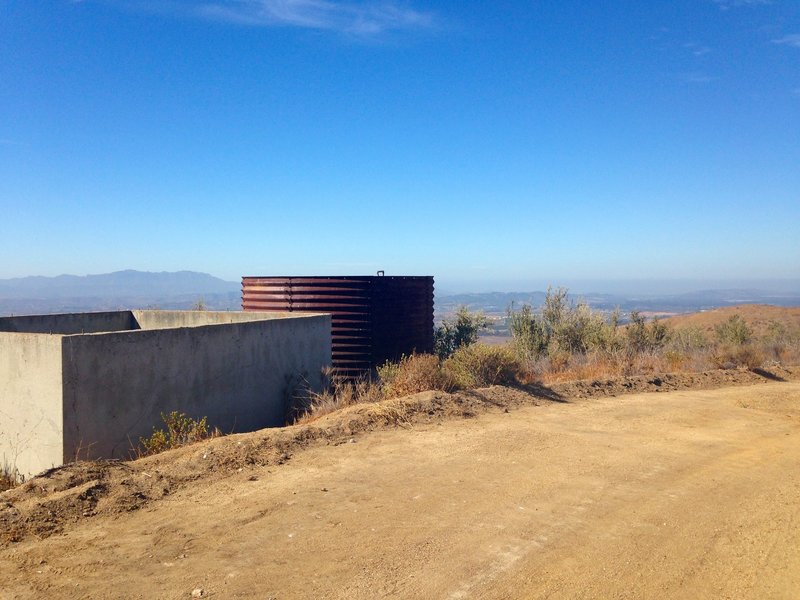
point(374, 318)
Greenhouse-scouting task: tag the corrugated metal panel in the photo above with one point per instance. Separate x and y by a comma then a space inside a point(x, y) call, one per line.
point(374, 319)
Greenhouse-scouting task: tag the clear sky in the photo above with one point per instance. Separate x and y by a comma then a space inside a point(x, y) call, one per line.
point(485, 143)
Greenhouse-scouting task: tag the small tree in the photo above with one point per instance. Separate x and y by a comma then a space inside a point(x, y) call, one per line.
point(530, 339)
point(460, 331)
point(579, 331)
point(603, 333)
point(555, 311)
point(563, 328)
point(734, 331)
point(644, 338)
point(660, 334)
point(688, 339)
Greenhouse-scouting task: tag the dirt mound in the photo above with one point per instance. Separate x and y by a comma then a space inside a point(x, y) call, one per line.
point(670, 382)
point(63, 496)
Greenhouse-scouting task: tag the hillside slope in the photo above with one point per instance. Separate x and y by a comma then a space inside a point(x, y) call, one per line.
point(757, 316)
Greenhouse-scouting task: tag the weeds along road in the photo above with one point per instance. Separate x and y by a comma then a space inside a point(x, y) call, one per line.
point(691, 494)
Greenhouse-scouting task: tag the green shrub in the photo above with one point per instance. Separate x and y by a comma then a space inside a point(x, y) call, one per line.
point(527, 331)
point(781, 343)
point(412, 374)
point(643, 338)
point(583, 330)
point(636, 333)
point(688, 339)
point(181, 430)
point(479, 365)
point(463, 330)
point(563, 327)
point(734, 331)
point(340, 393)
point(603, 333)
point(554, 310)
point(779, 333)
point(781, 338)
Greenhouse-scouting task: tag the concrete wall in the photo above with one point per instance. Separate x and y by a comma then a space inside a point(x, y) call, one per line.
point(239, 375)
point(164, 319)
point(71, 323)
point(30, 403)
point(93, 395)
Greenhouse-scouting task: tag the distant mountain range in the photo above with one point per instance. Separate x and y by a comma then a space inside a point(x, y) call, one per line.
point(184, 289)
point(116, 291)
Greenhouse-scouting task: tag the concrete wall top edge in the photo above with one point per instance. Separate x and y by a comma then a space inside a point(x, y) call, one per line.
point(70, 323)
point(172, 319)
point(132, 321)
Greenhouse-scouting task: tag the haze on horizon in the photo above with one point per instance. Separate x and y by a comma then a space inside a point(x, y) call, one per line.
point(497, 147)
point(132, 283)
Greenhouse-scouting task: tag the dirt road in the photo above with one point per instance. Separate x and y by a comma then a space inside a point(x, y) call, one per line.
point(692, 494)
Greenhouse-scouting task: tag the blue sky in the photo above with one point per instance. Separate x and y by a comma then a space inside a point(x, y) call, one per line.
point(489, 144)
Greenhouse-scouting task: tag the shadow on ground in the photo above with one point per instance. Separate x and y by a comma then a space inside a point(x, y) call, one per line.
point(767, 374)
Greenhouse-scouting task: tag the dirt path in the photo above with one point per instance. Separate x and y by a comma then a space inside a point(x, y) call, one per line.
point(692, 494)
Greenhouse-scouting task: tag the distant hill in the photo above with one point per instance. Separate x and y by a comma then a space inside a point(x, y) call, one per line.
point(757, 316)
point(118, 290)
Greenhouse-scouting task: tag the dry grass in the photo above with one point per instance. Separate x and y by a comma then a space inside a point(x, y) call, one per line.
point(575, 369)
point(471, 366)
point(605, 366)
point(391, 413)
point(413, 374)
point(597, 365)
point(10, 477)
point(745, 337)
point(410, 375)
point(479, 365)
point(696, 346)
point(749, 356)
point(782, 352)
point(340, 393)
point(7, 481)
point(593, 347)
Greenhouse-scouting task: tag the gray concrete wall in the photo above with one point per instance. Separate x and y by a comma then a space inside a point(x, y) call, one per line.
point(30, 403)
point(239, 375)
point(164, 319)
point(71, 323)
